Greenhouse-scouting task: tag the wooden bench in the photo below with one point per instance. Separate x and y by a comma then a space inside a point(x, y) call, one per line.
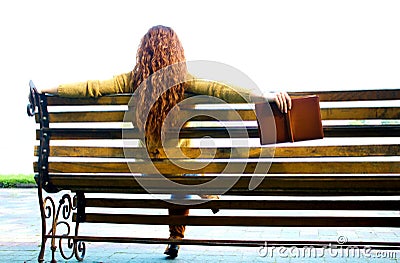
point(81, 148)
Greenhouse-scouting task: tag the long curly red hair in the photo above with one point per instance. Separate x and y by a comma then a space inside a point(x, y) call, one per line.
point(159, 48)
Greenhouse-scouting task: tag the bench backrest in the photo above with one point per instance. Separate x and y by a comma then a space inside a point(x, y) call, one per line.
point(81, 139)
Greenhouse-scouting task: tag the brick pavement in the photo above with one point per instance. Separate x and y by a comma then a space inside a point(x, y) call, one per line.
point(20, 239)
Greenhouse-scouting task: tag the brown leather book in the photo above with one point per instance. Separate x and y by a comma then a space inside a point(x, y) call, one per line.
point(302, 122)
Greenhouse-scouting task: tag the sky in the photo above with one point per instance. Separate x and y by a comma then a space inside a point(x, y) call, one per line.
point(280, 45)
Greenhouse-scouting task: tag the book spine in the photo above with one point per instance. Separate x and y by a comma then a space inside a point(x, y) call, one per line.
point(289, 126)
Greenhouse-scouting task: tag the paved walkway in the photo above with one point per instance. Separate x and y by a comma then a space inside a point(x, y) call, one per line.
point(20, 239)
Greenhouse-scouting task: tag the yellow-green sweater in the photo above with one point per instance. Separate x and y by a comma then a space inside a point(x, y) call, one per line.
point(120, 84)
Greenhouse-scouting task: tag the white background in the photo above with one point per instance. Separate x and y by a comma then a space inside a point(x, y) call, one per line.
point(281, 45)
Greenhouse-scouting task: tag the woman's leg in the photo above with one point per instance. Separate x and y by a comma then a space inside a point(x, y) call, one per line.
point(177, 231)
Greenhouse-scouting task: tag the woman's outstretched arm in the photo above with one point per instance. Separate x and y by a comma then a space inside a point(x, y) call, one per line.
point(92, 88)
point(235, 94)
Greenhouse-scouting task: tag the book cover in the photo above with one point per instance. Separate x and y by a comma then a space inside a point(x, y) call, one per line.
point(302, 122)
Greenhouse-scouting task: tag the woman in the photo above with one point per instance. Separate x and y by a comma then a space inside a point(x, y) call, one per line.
point(158, 49)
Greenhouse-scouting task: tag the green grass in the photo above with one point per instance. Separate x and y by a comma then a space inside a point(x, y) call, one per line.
point(13, 180)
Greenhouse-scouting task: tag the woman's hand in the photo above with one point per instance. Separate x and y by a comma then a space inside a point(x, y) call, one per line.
point(51, 90)
point(282, 100)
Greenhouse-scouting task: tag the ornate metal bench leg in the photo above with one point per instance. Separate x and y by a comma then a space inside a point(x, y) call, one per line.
point(43, 219)
point(79, 246)
point(80, 204)
point(60, 217)
point(49, 212)
point(73, 245)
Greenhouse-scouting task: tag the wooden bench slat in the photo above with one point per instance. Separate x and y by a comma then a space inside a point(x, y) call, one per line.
point(88, 133)
point(352, 95)
point(119, 99)
point(382, 245)
point(217, 132)
point(86, 116)
point(318, 185)
point(131, 133)
point(349, 113)
point(293, 221)
point(289, 167)
point(338, 151)
point(362, 131)
point(227, 152)
point(355, 113)
point(249, 204)
point(121, 116)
